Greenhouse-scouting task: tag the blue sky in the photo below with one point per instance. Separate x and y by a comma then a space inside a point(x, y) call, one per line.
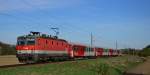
point(127, 21)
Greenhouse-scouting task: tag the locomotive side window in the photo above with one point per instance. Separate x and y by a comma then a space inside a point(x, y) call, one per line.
point(46, 42)
point(52, 42)
point(38, 41)
point(57, 43)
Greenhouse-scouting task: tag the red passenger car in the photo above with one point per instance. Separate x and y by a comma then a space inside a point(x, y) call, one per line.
point(99, 52)
point(78, 50)
point(111, 52)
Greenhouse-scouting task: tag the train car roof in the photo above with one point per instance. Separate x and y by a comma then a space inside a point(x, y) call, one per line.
point(77, 44)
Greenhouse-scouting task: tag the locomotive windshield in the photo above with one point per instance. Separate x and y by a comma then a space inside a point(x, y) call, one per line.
point(26, 42)
point(30, 42)
point(21, 42)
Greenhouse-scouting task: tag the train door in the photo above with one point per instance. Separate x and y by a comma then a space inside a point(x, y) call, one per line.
point(70, 51)
point(89, 51)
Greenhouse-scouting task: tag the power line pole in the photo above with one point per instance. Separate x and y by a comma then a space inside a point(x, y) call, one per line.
point(91, 43)
point(116, 45)
point(91, 40)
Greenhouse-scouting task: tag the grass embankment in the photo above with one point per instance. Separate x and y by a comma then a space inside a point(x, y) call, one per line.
point(100, 66)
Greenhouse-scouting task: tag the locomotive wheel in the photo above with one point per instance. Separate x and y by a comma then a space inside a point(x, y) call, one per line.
point(31, 60)
point(20, 60)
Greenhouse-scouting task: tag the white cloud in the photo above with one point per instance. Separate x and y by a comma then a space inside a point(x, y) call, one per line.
point(11, 5)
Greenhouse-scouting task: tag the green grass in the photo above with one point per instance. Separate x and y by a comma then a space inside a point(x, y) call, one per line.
point(100, 66)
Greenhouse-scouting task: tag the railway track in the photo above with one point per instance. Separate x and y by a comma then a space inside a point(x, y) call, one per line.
point(20, 65)
point(34, 64)
point(14, 65)
point(42, 63)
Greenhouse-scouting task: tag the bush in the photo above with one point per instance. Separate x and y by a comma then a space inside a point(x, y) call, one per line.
point(105, 69)
point(145, 52)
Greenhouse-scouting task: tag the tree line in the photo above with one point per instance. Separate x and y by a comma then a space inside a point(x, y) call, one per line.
point(143, 52)
point(6, 49)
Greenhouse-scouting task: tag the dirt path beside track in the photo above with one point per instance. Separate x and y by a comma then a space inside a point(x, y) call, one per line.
point(8, 60)
point(142, 69)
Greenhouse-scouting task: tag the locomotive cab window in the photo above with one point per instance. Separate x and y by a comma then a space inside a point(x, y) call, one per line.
point(30, 42)
point(21, 42)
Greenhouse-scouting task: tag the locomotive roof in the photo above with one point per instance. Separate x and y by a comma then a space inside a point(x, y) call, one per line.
point(38, 35)
point(54, 39)
point(32, 37)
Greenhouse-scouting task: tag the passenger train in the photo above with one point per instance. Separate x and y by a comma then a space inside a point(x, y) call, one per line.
point(36, 47)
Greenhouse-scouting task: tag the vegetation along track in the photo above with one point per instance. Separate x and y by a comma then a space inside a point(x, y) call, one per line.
point(40, 63)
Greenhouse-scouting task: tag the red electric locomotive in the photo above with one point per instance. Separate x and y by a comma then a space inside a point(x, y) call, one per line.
point(35, 47)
